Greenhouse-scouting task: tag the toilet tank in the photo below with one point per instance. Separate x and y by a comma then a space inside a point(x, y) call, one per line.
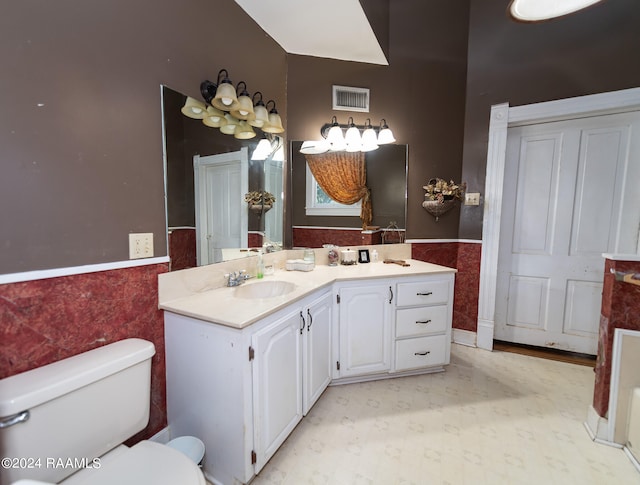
point(74, 410)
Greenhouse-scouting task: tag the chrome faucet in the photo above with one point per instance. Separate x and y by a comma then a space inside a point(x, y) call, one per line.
point(237, 277)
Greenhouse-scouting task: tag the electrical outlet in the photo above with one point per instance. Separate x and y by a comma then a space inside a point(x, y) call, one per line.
point(141, 245)
point(472, 198)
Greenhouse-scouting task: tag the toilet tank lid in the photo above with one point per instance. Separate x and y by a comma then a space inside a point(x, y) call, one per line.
point(23, 391)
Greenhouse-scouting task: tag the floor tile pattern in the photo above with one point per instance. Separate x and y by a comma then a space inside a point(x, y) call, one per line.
point(491, 418)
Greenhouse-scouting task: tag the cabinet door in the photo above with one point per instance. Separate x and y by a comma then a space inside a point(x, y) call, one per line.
point(365, 329)
point(277, 384)
point(317, 350)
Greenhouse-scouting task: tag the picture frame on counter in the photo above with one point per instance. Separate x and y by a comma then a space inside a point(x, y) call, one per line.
point(363, 256)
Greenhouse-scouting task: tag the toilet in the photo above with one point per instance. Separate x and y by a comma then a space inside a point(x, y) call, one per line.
point(66, 422)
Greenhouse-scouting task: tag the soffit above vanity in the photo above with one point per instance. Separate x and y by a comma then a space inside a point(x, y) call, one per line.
point(335, 29)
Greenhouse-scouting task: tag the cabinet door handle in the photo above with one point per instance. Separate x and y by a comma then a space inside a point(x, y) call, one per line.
point(426, 352)
point(390, 295)
point(303, 322)
point(423, 321)
point(425, 294)
point(310, 319)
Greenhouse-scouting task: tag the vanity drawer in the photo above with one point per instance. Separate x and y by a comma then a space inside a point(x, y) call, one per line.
point(419, 321)
point(410, 353)
point(423, 293)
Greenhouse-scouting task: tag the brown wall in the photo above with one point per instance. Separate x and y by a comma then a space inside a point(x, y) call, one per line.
point(86, 169)
point(421, 95)
point(591, 51)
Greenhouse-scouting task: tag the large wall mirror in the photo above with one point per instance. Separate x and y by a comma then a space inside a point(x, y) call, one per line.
point(208, 175)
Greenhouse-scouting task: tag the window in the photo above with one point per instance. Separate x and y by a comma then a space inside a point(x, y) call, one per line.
point(320, 204)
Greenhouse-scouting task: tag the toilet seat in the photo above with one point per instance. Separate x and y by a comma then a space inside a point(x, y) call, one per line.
point(146, 463)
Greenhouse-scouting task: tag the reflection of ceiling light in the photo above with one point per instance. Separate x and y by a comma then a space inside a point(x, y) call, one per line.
point(539, 10)
point(314, 147)
point(262, 151)
point(194, 109)
point(278, 155)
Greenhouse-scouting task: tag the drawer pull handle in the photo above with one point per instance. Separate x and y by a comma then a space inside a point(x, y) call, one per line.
point(425, 294)
point(426, 352)
point(423, 321)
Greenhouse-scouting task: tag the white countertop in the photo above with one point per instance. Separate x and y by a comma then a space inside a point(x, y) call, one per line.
point(220, 305)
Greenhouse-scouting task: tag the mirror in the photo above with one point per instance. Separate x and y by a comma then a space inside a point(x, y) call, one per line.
point(207, 176)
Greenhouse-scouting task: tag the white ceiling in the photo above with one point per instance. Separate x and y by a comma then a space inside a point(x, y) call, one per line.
point(336, 29)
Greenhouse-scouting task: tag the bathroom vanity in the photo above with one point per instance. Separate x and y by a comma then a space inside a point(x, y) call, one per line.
point(243, 369)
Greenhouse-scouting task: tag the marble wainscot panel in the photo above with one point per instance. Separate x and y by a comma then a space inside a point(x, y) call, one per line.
point(47, 320)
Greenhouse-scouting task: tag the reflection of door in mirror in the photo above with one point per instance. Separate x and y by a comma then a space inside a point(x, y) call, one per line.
point(221, 218)
point(273, 183)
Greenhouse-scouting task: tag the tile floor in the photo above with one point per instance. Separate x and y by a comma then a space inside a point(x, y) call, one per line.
point(491, 418)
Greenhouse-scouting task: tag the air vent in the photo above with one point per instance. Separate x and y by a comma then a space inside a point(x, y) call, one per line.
point(347, 98)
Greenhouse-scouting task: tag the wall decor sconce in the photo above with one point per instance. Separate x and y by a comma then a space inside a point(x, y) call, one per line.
point(356, 138)
point(441, 196)
point(233, 110)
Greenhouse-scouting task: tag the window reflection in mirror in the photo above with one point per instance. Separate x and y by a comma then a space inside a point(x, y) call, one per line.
point(188, 141)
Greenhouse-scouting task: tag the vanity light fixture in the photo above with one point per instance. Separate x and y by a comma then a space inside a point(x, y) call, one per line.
point(244, 110)
point(261, 114)
point(352, 138)
point(354, 141)
point(275, 122)
point(231, 110)
point(225, 98)
point(385, 135)
point(244, 131)
point(229, 128)
point(214, 118)
point(194, 109)
point(540, 10)
point(369, 137)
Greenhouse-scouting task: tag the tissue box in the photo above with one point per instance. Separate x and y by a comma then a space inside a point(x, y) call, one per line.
point(299, 265)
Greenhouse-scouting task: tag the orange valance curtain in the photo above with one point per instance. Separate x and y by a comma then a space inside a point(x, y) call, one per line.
point(343, 177)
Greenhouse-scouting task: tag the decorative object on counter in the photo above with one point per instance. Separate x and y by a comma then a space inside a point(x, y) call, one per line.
point(299, 265)
point(260, 268)
point(332, 255)
point(392, 234)
point(348, 257)
point(440, 196)
point(259, 201)
point(309, 257)
point(343, 177)
point(233, 110)
point(363, 256)
point(399, 262)
point(374, 256)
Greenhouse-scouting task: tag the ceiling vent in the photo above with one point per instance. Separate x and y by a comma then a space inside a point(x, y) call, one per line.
point(347, 98)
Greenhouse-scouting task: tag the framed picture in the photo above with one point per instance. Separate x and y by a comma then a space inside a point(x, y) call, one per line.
point(363, 256)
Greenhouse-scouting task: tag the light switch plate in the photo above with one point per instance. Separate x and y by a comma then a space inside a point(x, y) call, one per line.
point(141, 245)
point(472, 198)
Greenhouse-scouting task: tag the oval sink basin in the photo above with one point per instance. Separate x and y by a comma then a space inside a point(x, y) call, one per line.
point(263, 289)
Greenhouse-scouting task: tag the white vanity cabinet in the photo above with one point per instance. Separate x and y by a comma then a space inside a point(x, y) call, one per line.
point(424, 308)
point(242, 391)
point(364, 322)
point(316, 349)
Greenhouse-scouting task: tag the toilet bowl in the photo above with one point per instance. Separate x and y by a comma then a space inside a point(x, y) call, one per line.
point(69, 419)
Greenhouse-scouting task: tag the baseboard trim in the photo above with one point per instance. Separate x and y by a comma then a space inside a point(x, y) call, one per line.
point(465, 337)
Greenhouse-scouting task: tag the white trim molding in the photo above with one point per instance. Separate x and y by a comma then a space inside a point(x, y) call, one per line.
point(75, 270)
point(502, 117)
point(464, 337)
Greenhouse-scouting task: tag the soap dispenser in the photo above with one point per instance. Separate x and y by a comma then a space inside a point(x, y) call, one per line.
point(260, 270)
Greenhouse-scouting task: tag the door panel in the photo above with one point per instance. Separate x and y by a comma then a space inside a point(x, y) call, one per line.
point(562, 207)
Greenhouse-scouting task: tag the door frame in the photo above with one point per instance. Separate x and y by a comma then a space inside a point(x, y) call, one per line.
point(502, 117)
